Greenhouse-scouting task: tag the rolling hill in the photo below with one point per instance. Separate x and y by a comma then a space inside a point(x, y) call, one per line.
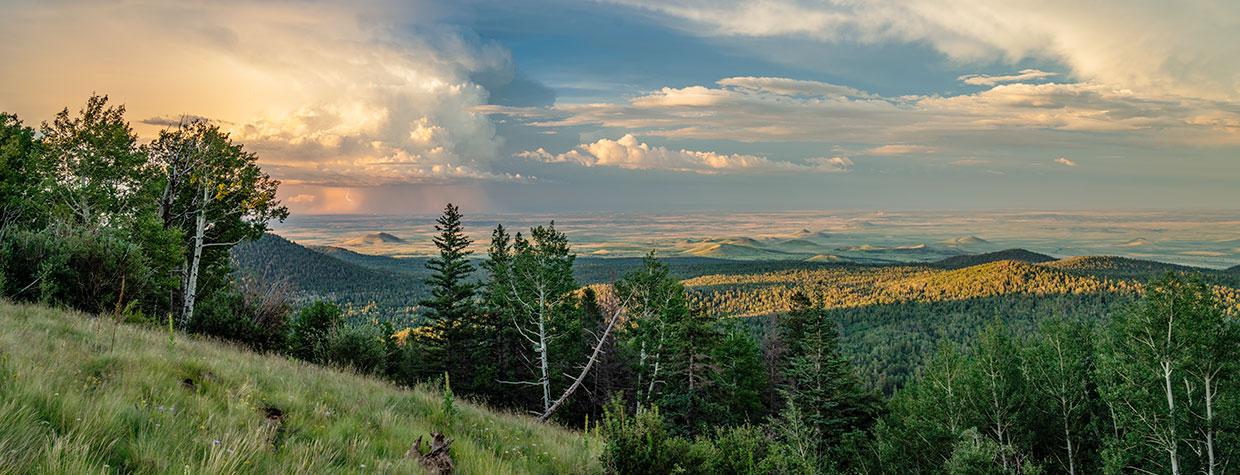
point(85, 395)
point(1022, 255)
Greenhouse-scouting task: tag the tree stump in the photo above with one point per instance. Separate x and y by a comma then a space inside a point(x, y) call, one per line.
point(435, 459)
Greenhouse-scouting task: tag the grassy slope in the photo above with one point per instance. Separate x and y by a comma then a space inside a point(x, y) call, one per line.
point(72, 401)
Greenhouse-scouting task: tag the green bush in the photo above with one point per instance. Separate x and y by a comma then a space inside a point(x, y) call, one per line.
point(361, 347)
point(311, 327)
point(738, 450)
point(637, 443)
point(96, 271)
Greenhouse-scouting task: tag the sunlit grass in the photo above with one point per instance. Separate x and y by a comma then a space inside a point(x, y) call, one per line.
point(72, 401)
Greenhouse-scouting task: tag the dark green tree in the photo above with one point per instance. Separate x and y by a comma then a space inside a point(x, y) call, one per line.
point(820, 381)
point(451, 312)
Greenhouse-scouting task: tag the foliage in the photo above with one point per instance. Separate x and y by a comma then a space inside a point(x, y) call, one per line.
point(360, 347)
point(309, 330)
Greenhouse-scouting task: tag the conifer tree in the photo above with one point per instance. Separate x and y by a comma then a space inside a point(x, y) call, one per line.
point(820, 381)
point(451, 308)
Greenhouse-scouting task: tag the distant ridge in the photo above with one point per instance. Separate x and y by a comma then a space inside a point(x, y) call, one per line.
point(1020, 255)
point(1117, 264)
point(372, 239)
point(1233, 269)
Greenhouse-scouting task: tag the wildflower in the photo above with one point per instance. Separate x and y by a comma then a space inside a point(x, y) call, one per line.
point(215, 442)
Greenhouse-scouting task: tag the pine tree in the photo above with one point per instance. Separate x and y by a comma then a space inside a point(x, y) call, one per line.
point(820, 381)
point(451, 309)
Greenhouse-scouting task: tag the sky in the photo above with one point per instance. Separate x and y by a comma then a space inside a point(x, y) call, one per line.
point(396, 107)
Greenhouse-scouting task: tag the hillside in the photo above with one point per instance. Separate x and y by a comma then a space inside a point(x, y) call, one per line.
point(1022, 255)
point(80, 395)
point(857, 286)
point(318, 275)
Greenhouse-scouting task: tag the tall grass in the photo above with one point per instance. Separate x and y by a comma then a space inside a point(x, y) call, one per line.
point(72, 402)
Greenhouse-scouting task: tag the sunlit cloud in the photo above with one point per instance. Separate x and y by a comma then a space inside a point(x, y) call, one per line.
point(900, 149)
point(627, 152)
point(359, 94)
point(766, 109)
point(1065, 162)
point(991, 80)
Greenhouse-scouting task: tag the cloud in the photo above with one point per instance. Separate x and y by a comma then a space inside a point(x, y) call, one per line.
point(969, 162)
point(301, 198)
point(174, 121)
point(359, 94)
point(988, 80)
point(1065, 162)
point(901, 149)
point(1178, 48)
point(629, 153)
point(774, 109)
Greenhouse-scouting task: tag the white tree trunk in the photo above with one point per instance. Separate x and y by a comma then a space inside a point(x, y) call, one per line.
point(543, 363)
point(1209, 389)
point(1172, 451)
point(191, 283)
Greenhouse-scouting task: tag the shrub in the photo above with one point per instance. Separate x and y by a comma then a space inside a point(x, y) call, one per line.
point(310, 329)
point(247, 311)
point(361, 347)
point(636, 443)
point(738, 450)
point(95, 271)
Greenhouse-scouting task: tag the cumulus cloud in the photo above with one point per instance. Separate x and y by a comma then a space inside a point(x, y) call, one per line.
point(989, 80)
point(328, 94)
point(627, 152)
point(1181, 48)
point(1065, 162)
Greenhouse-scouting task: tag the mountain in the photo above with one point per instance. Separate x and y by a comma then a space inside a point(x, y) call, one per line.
point(1022, 255)
point(1233, 269)
point(965, 241)
point(904, 249)
point(825, 258)
point(86, 395)
point(797, 245)
point(373, 239)
point(317, 274)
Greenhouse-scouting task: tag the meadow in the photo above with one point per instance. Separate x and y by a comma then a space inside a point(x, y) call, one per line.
point(84, 395)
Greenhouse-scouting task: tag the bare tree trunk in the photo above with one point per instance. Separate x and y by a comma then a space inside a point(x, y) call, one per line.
point(598, 350)
point(191, 283)
point(545, 377)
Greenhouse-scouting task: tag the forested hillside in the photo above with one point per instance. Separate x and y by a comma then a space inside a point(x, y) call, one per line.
point(1022, 255)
